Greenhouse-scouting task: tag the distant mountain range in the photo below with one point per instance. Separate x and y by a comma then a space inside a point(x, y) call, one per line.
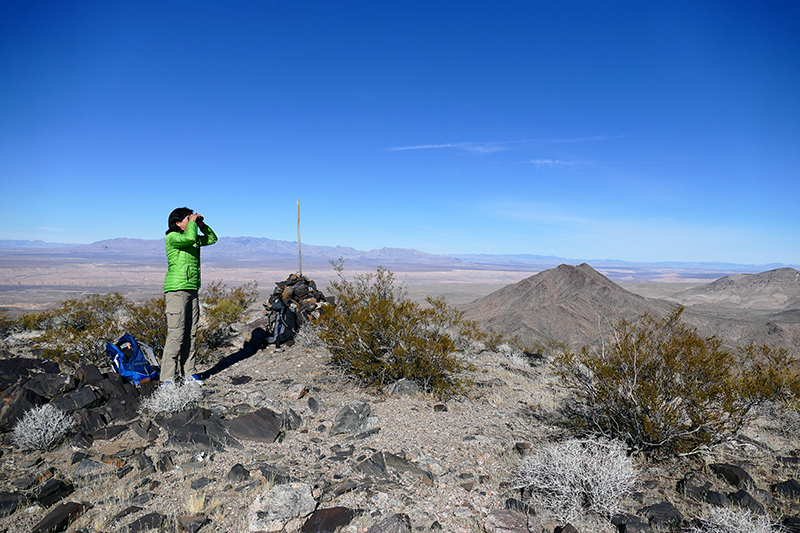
point(262, 249)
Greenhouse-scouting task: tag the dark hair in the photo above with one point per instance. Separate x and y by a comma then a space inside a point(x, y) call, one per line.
point(176, 216)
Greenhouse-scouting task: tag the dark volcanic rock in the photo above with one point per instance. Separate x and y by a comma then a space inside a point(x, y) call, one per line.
point(147, 522)
point(743, 499)
point(50, 385)
point(351, 419)
point(10, 502)
point(663, 515)
point(87, 375)
point(191, 524)
point(14, 403)
point(328, 520)
point(60, 518)
point(506, 521)
point(82, 398)
point(52, 491)
point(396, 523)
point(734, 475)
point(237, 473)
point(260, 426)
point(789, 488)
point(17, 370)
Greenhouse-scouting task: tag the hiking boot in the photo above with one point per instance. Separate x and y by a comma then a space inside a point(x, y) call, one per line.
point(195, 379)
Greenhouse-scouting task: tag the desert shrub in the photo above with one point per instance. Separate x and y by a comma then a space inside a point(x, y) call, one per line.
point(147, 322)
point(6, 323)
point(308, 337)
point(78, 329)
point(660, 387)
point(767, 373)
point(732, 520)
point(41, 427)
point(376, 334)
point(221, 307)
point(172, 398)
point(577, 477)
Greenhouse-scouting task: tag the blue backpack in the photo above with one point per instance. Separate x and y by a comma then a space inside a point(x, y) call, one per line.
point(128, 360)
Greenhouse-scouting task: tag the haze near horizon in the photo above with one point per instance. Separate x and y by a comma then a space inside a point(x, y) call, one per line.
point(639, 132)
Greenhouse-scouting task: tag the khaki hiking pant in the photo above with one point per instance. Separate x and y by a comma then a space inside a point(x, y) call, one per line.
point(183, 314)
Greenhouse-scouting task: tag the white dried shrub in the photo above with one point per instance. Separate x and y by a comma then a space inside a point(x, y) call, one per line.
point(308, 338)
point(172, 398)
point(41, 427)
point(574, 478)
point(733, 520)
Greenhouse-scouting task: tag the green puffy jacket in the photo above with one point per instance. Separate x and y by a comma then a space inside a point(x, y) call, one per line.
point(183, 257)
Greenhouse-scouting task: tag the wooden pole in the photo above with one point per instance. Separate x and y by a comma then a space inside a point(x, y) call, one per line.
point(299, 251)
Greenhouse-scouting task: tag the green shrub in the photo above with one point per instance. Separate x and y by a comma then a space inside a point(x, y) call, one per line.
point(78, 329)
point(147, 322)
point(375, 333)
point(660, 387)
point(221, 307)
point(6, 323)
point(769, 374)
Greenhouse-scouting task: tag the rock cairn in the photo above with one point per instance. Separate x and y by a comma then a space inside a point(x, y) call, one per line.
point(298, 293)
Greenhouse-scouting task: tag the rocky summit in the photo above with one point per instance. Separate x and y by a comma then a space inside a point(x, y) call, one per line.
point(278, 440)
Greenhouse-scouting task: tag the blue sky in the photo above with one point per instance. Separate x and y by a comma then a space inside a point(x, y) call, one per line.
point(640, 131)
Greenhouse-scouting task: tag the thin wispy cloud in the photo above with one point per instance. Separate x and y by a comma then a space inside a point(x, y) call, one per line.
point(486, 147)
point(555, 162)
point(478, 147)
point(588, 139)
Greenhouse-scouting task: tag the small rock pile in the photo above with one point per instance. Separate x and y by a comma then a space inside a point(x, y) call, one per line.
point(298, 293)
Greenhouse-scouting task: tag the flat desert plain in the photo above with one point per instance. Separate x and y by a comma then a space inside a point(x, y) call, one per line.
point(31, 281)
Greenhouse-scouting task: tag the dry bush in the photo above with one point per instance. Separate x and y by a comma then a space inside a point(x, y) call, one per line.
point(172, 398)
point(308, 337)
point(732, 520)
point(41, 427)
point(375, 333)
point(147, 322)
point(6, 323)
point(660, 387)
point(767, 373)
point(221, 307)
point(78, 329)
point(577, 477)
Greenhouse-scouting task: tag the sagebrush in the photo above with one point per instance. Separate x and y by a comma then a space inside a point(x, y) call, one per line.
point(41, 427)
point(577, 477)
point(375, 333)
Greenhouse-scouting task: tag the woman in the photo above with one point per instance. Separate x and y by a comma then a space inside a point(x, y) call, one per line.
point(181, 286)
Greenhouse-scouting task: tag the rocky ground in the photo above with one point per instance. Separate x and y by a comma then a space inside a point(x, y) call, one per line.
point(268, 427)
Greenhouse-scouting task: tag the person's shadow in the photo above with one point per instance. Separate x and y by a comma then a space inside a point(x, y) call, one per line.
point(256, 342)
